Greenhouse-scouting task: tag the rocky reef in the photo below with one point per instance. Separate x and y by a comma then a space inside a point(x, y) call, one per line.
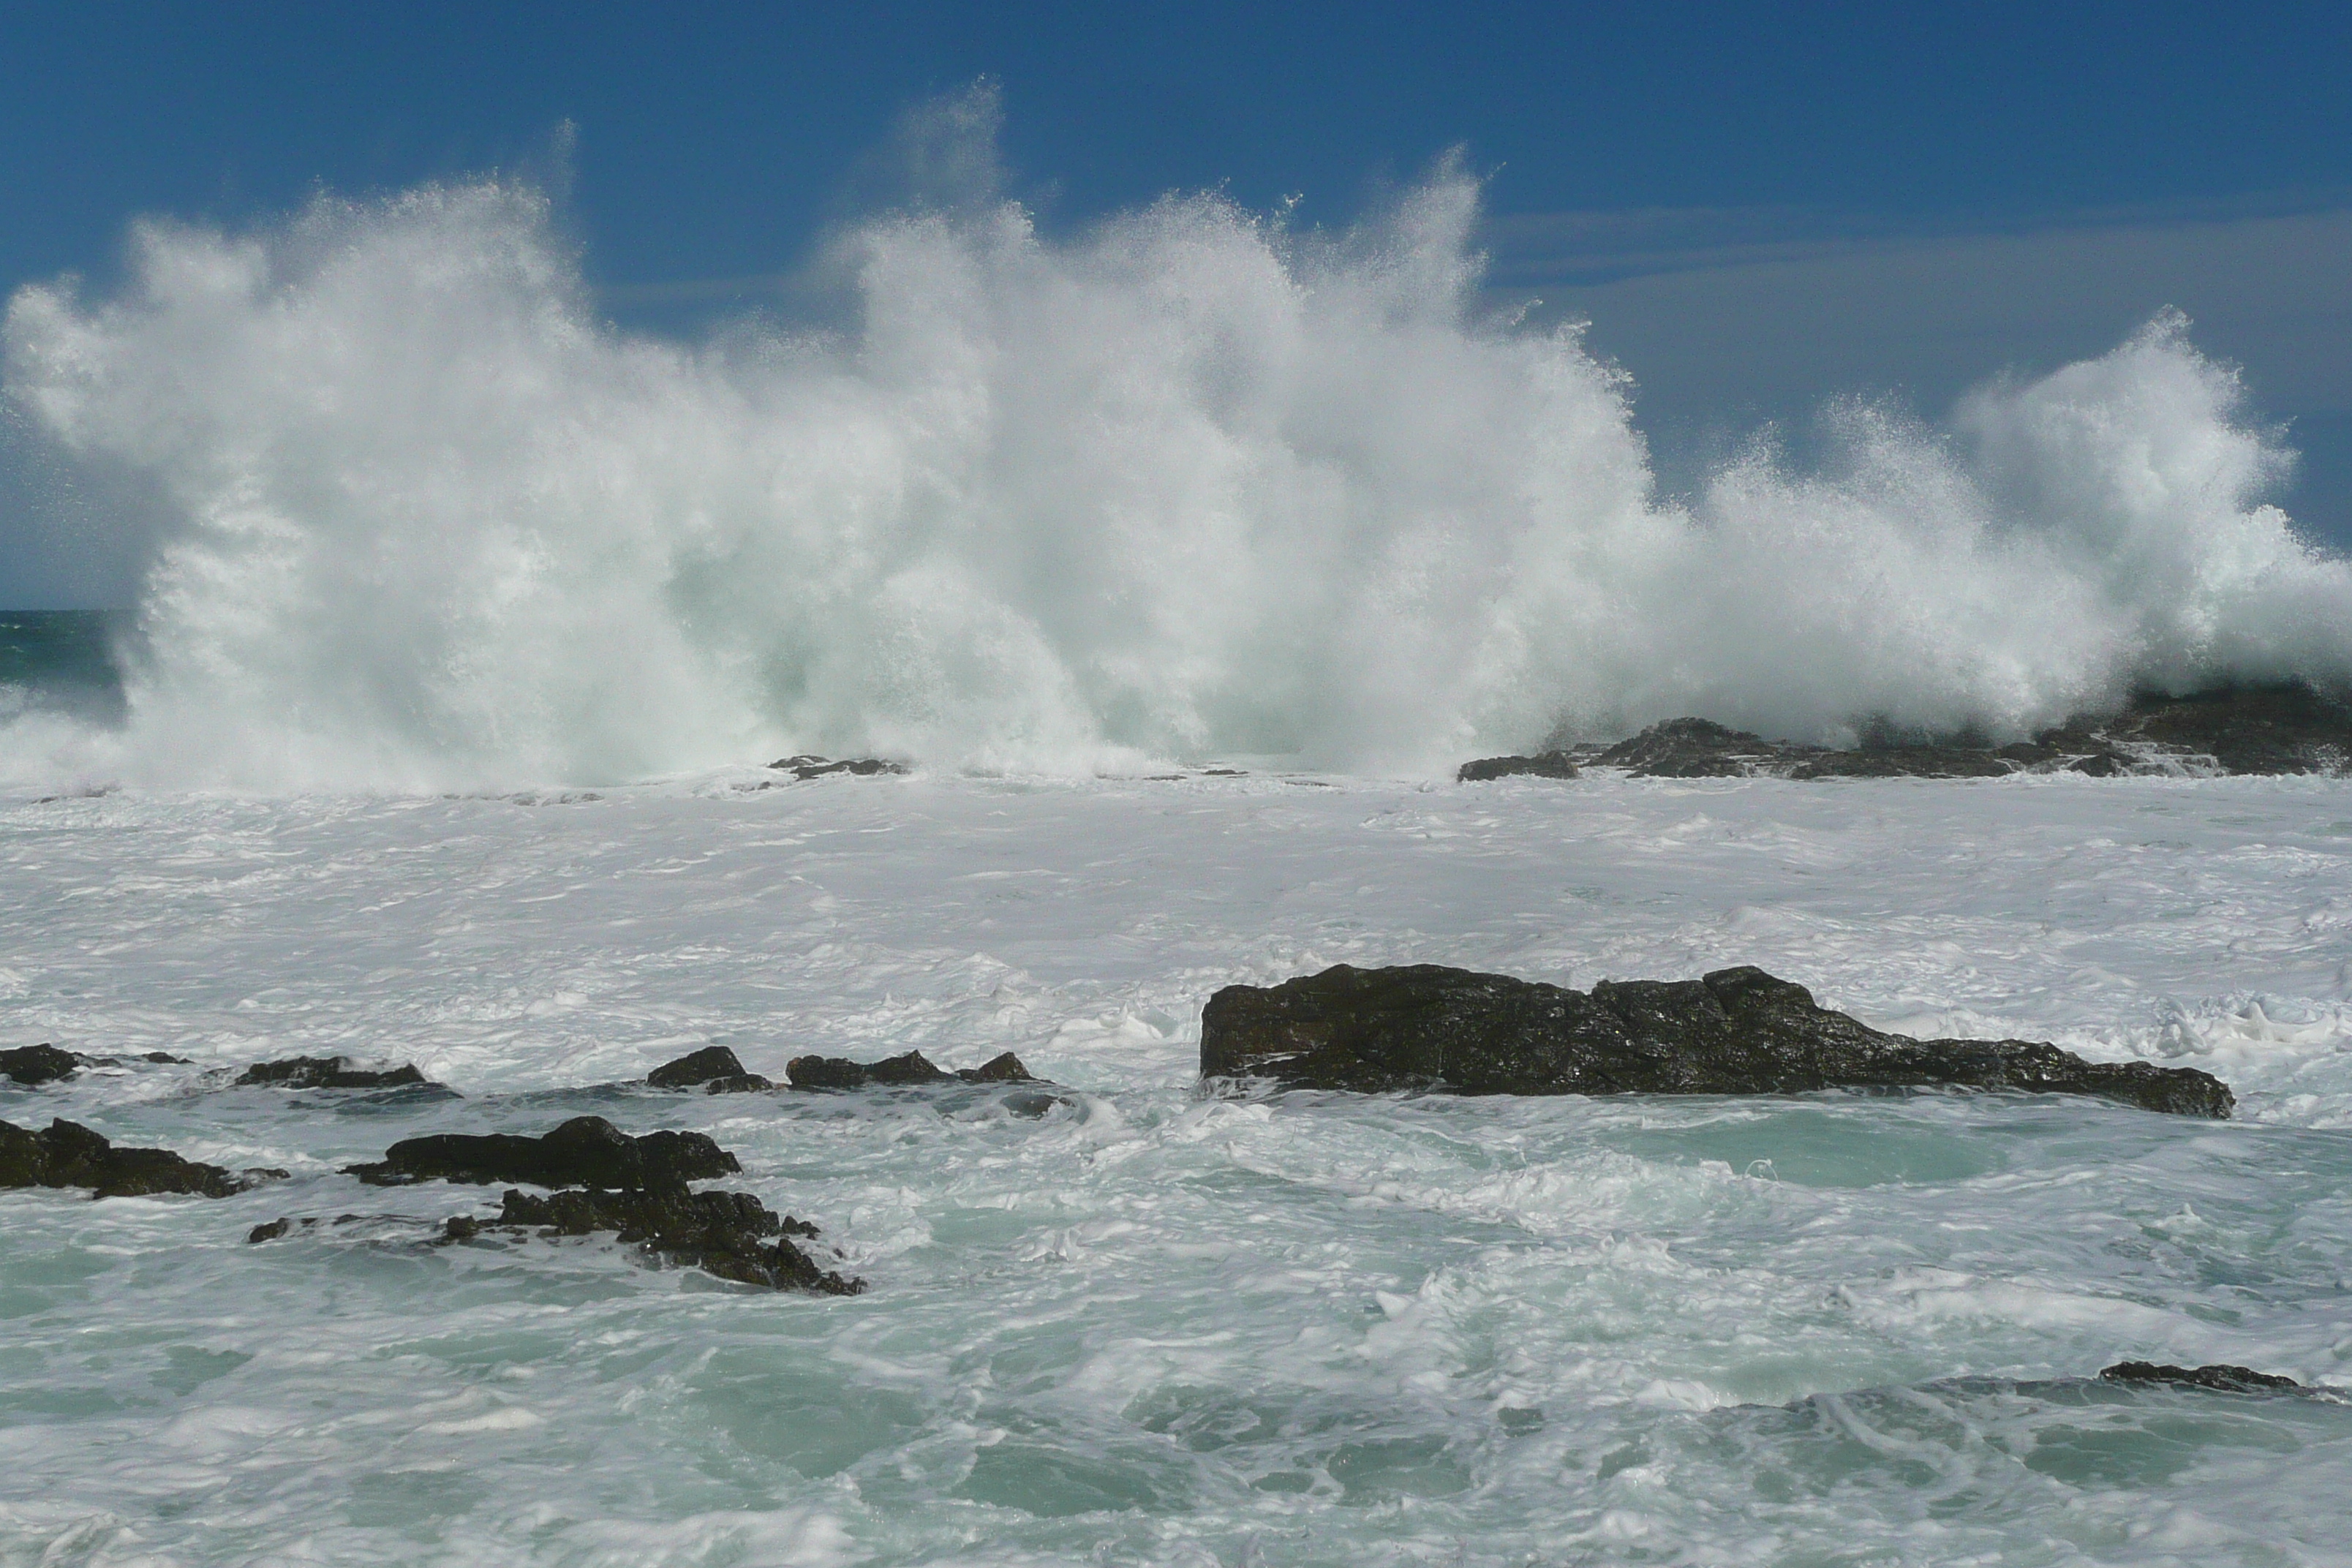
point(2220, 1377)
point(730, 1234)
point(329, 1072)
point(1736, 1031)
point(2285, 729)
point(32, 1065)
point(68, 1155)
point(804, 768)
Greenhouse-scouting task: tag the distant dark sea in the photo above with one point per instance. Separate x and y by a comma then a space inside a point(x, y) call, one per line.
point(61, 660)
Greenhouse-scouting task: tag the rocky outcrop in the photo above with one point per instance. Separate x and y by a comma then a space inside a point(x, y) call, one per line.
point(809, 767)
point(68, 1155)
point(2283, 729)
point(913, 1067)
point(712, 1069)
point(32, 1065)
point(1542, 765)
point(2220, 1378)
point(329, 1072)
point(1736, 1031)
point(730, 1234)
point(586, 1151)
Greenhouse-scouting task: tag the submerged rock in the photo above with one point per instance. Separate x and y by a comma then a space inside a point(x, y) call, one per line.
point(811, 767)
point(713, 1069)
point(1736, 1031)
point(730, 1234)
point(913, 1067)
point(1542, 765)
point(68, 1155)
point(33, 1066)
point(586, 1151)
point(329, 1072)
point(2217, 1376)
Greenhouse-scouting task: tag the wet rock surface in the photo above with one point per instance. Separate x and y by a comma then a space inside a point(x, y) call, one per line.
point(913, 1067)
point(1542, 765)
point(32, 1065)
point(2220, 1378)
point(68, 1155)
point(713, 1069)
point(730, 1234)
point(811, 767)
point(586, 1151)
point(1736, 1031)
point(329, 1072)
point(2289, 729)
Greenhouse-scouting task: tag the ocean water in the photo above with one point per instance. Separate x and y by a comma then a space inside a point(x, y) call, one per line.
point(1155, 1325)
point(60, 663)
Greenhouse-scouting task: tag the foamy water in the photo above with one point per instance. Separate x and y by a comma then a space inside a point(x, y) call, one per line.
point(1154, 1327)
point(1184, 484)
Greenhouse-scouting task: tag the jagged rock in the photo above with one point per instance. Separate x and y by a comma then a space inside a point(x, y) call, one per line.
point(68, 1155)
point(2220, 1378)
point(1542, 765)
point(33, 1066)
point(586, 1151)
point(2286, 729)
point(713, 1069)
point(329, 1072)
point(725, 1234)
point(810, 767)
point(271, 1232)
point(838, 1072)
point(1737, 1031)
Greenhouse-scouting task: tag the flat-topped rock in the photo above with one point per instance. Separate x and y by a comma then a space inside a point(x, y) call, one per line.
point(1736, 1031)
point(68, 1155)
point(329, 1072)
point(33, 1066)
point(913, 1067)
point(586, 1151)
point(814, 768)
point(2220, 1378)
point(730, 1234)
point(1542, 765)
point(712, 1069)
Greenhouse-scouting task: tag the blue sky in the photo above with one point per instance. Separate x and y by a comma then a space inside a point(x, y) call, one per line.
point(1757, 206)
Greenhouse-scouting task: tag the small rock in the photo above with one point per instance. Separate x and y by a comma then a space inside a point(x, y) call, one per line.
point(33, 1066)
point(811, 767)
point(913, 1067)
point(271, 1232)
point(586, 1151)
point(328, 1072)
point(68, 1155)
point(713, 1068)
point(1542, 765)
point(2217, 1376)
point(1735, 1031)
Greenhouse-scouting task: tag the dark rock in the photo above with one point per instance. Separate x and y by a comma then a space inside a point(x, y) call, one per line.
point(838, 1072)
point(164, 1057)
point(914, 1068)
point(1542, 765)
point(2221, 1378)
point(713, 1069)
point(68, 1155)
point(725, 1234)
point(586, 1151)
point(327, 1072)
point(33, 1066)
point(1737, 1031)
point(1004, 1068)
point(1693, 749)
point(271, 1232)
point(807, 767)
point(2285, 729)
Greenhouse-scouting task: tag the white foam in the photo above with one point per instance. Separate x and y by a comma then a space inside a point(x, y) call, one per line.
point(1185, 483)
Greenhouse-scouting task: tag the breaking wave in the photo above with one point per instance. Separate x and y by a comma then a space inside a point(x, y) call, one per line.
point(1189, 483)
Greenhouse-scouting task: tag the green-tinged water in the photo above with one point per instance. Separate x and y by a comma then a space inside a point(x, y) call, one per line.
point(61, 660)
